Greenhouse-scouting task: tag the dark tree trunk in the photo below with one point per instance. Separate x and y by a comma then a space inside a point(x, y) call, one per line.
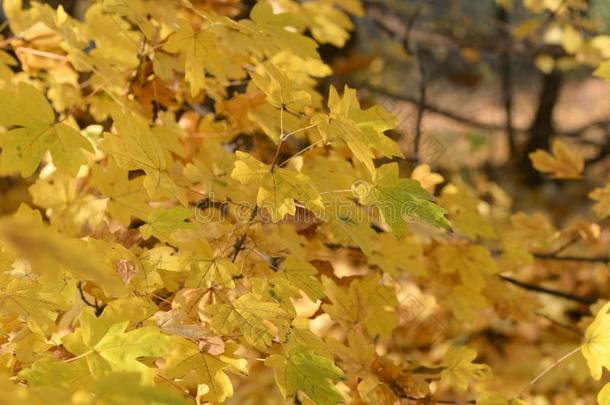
point(542, 127)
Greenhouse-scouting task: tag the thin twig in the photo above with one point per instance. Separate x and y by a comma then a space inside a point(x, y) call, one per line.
point(546, 370)
point(417, 51)
point(435, 109)
point(280, 142)
point(240, 241)
point(544, 290)
point(421, 104)
point(552, 256)
point(555, 322)
point(98, 308)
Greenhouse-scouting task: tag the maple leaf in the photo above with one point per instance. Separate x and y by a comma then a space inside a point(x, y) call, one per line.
point(278, 189)
point(465, 302)
point(200, 52)
point(302, 370)
point(366, 301)
point(246, 314)
point(472, 262)
point(361, 130)
point(426, 178)
point(126, 198)
point(161, 223)
point(327, 23)
point(68, 207)
point(133, 10)
point(460, 368)
point(397, 198)
point(107, 348)
point(602, 196)
point(187, 357)
point(463, 211)
point(299, 275)
point(207, 271)
point(122, 388)
point(357, 356)
point(51, 253)
point(272, 32)
point(346, 222)
point(136, 147)
point(394, 255)
point(35, 303)
point(176, 322)
point(280, 91)
point(596, 346)
point(34, 131)
point(564, 163)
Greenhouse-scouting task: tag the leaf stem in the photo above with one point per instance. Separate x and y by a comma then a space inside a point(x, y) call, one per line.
point(301, 152)
point(296, 131)
point(80, 356)
point(281, 141)
point(546, 370)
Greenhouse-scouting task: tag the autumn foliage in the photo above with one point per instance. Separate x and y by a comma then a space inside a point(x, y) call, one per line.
point(199, 214)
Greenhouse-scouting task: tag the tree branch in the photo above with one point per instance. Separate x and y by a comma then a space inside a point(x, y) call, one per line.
point(98, 308)
point(544, 290)
point(552, 256)
point(435, 109)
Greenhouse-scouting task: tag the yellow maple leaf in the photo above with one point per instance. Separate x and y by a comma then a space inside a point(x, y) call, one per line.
point(34, 131)
point(460, 367)
point(464, 213)
point(199, 49)
point(367, 301)
point(564, 163)
point(472, 262)
point(280, 91)
point(465, 302)
point(395, 255)
point(126, 197)
point(602, 196)
point(277, 189)
point(248, 314)
point(187, 358)
point(426, 177)
point(361, 130)
point(135, 147)
point(596, 346)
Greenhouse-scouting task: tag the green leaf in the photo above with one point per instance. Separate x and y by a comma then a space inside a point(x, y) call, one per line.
point(299, 275)
point(163, 222)
point(398, 198)
point(303, 370)
point(107, 348)
point(34, 131)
